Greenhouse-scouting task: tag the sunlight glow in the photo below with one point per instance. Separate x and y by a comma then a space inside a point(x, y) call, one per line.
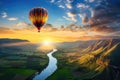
point(47, 42)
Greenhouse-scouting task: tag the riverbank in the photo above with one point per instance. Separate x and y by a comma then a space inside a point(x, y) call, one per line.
point(50, 69)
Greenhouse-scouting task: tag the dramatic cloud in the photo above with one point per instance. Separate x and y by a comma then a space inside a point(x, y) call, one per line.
point(72, 16)
point(102, 28)
point(103, 17)
point(66, 18)
point(57, 36)
point(69, 6)
point(107, 9)
point(25, 26)
point(12, 19)
point(69, 33)
point(49, 28)
point(4, 15)
point(84, 18)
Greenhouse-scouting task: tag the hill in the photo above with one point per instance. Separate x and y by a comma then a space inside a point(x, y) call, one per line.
point(89, 60)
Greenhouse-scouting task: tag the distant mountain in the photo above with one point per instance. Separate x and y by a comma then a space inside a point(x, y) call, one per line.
point(89, 45)
point(101, 59)
point(14, 46)
point(7, 40)
point(73, 45)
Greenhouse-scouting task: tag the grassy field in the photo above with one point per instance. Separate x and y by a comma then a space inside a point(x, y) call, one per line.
point(74, 63)
point(21, 62)
point(16, 74)
point(23, 66)
point(61, 74)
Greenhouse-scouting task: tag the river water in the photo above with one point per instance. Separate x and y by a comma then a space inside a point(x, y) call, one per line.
point(50, 69)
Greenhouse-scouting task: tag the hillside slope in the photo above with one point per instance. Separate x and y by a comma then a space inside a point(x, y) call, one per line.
point(88, 60)
point(101, 60)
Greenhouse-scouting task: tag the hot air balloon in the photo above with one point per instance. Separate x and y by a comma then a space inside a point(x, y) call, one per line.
point(38, 17)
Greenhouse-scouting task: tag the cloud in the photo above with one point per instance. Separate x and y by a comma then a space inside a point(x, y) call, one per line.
point(90, 1)
point(106, 14)
point(59, 1)
point(66, 18)
point(108, 9)
point(92, 12)
point(12, 19)
point(72, 16)
point(57, 36)
point(21, 24)
point(5, 31)
point(81, 5)
point(61, 6)
point(70, 1)
point(103, 29)
point(68, 34)
point(69, 6)
point(24, 25)
point(104, 22)
point(105, 18)
point(4, 15)
point(84, 18)
point(52, 1)
point(49, 28)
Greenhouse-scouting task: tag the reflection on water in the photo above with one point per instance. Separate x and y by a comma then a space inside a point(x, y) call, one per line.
point(50, 69)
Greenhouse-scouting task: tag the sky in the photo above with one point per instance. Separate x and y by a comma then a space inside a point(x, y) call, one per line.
point(102, 17)
point(13, 11)
point(60, 12)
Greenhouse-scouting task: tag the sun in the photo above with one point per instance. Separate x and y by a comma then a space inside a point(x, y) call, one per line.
point(47, 45)
point(47, 42)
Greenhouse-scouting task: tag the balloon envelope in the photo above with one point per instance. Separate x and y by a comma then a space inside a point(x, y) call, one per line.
point(38, 17)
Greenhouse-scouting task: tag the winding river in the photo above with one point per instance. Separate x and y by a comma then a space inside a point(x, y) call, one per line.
point(50, 69)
